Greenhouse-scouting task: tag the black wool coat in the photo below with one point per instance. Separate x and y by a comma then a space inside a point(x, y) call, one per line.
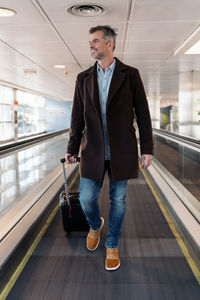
point(126, 99)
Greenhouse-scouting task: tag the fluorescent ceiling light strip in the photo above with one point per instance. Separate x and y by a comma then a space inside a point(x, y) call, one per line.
point(195, 49)
point(59, 66)
point(187, 40)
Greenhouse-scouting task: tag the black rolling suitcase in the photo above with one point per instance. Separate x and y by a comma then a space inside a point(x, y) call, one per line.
point(73, 218)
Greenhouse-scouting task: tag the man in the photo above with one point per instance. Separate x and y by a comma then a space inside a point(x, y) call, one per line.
point(107, 97)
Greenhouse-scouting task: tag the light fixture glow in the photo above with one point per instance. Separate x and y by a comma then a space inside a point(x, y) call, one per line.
point(195, 49)
point(193, 38)
point(59, 66)
point(6, 12)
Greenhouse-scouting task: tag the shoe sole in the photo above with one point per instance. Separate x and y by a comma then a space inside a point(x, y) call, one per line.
point(113, 269)
point(102, 223)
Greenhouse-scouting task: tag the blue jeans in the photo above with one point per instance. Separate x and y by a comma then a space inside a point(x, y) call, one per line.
point(89, 192)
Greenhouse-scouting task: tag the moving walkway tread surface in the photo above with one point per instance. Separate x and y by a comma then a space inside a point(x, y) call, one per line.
point(152, 264)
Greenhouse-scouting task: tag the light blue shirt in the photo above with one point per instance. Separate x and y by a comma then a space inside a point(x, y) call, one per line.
point(104, 79)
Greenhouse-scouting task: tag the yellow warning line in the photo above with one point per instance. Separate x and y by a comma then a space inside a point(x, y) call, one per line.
point(182, 245)
point(27, 256)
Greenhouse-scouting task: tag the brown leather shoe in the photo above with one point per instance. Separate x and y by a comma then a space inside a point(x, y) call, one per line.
point(112, 261)
point(93, 237)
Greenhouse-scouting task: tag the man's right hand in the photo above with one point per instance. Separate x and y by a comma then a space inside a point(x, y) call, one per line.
point(70, 159)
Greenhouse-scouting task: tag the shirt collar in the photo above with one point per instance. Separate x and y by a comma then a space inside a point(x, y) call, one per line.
point(111, 67)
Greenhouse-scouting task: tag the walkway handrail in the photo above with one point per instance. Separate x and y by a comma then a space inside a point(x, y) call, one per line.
point(11, 146)
point(178, 139)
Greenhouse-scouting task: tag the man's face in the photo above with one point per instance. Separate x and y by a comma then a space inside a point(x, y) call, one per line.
point(98, 45)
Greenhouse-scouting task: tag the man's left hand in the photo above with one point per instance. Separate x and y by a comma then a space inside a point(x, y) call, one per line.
point(146, 160)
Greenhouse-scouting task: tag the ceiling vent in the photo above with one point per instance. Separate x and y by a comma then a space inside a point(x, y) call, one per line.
point(86, 10)
point(30, 71)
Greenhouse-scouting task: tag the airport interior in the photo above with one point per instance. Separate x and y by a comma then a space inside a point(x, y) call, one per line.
point(44, 45)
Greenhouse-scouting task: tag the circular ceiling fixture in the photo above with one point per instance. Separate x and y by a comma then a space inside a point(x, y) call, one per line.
point(86, 10)
point(6, 12)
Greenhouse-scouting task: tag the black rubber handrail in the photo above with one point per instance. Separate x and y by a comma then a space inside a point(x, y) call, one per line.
point(8, 147)
point(173, 134)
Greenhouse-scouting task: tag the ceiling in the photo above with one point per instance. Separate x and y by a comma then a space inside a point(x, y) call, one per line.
point(43, 34)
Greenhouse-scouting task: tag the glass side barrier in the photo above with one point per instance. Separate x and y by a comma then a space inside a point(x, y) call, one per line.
point(181, 159)
point(22, 170)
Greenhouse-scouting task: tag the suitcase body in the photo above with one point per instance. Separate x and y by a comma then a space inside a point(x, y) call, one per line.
point(73, 218)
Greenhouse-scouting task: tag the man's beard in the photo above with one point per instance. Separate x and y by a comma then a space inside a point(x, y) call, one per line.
point(98, 55)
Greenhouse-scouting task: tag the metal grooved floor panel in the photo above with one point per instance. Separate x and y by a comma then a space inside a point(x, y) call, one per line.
point(152, 264)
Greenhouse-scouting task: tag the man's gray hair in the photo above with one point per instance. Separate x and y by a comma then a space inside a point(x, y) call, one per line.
point(109, 33)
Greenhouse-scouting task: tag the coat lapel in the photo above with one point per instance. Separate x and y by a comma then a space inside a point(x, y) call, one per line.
point(117, 80)
point(92, 86)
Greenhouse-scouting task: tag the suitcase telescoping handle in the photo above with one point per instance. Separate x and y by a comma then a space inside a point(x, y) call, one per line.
point(64, 173)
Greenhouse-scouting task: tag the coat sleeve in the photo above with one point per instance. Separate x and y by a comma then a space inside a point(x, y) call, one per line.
point(77, 122)
point(143, 117)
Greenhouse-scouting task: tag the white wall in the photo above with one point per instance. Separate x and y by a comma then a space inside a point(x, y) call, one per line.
point(58, 114)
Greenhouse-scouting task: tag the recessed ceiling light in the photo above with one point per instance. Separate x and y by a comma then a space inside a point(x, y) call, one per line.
point(86, 10)
point(195, 49)
point(59, 66)
point(6, 12)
